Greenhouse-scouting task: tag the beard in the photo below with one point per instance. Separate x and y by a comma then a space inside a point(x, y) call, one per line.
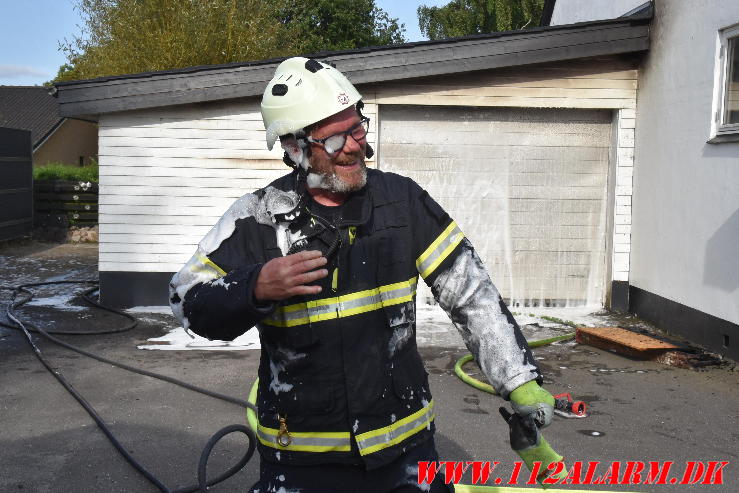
point(333, 182)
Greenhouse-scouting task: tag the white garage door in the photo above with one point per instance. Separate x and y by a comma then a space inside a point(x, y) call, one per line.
point(527, 186)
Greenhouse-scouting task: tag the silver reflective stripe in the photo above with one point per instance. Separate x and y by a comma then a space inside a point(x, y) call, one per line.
point(373, 441)
point(297, 314)
point(344, 305)
point(315, 311)
point(307, 442)
point(359, 302)
point(439, 250)
point(399, 292)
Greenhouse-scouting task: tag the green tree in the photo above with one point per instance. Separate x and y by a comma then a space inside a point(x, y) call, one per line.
point(466, 17)
point(342, 24)
point(130, 36)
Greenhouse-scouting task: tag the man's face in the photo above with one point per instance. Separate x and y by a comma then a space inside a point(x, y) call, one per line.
point(345, 170)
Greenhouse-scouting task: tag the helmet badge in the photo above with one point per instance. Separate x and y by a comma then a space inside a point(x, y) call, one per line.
point(343, 98)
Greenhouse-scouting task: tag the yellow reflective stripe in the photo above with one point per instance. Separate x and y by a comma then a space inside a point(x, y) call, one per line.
point(205, 265)
point(368, 442)
point(439, 250)
point(387, 436)
point(308, 434)
point(398, 285)
point(306, 441)
point(434, 244)
point(431, 268)
point(397, 439)
point(352, 296)
point(336, 307)
point(389, 428)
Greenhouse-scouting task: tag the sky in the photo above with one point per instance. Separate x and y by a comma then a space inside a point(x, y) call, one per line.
point(31, 30)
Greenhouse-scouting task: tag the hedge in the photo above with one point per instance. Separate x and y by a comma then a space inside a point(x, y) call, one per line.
point(58, 171)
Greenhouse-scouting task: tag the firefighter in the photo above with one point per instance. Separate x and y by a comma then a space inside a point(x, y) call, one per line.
point(324, 262)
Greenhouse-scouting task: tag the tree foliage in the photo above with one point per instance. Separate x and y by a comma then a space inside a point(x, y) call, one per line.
point(466, 17)
point(131, 36)
point(128, 36)
point(342, 24)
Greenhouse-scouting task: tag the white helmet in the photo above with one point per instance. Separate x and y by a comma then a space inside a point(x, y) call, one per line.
point(302, 92)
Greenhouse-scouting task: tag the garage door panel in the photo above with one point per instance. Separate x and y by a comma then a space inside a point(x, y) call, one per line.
point(546, 219)
point(425, 126)
point(490, 138)
point(452, 152)
point(563, 165)
point(544, 205)
point(461, 175)
point(533, 166)
point(552, 231)
point(541, 258)
point(495, 190)
point(542, 222)
point(554, 178)
point(529, 271)
point(411, 114)
point(527, 186)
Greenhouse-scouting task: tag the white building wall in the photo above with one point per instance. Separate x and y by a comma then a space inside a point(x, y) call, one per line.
point(572, 11)
point(685, 231)
point(168, 174)
point(624, 153)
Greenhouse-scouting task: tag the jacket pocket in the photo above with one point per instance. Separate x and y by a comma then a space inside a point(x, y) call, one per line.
point(391, 227)
point(313, 400)
point(299, 405)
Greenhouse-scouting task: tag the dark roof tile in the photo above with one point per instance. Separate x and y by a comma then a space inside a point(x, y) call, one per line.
point(29, 108)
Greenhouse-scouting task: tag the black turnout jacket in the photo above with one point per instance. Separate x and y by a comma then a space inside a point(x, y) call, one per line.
point(340, 376)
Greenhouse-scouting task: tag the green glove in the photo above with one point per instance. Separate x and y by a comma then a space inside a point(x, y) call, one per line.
point(530, 445)
point(531, 400)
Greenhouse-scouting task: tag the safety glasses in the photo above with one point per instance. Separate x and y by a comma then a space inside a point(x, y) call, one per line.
point(334, 143)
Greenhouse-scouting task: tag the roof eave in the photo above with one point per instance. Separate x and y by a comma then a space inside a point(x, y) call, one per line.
point(362, 66)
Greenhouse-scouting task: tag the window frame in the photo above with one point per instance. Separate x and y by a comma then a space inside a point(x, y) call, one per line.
point(721, 131)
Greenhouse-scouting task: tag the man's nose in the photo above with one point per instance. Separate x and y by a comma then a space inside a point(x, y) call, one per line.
point(351, 145)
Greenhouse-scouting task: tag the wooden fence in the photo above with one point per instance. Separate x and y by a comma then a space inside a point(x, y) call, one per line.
point(16, 177)
point(65, 203)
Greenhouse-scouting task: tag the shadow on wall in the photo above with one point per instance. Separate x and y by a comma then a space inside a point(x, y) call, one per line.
point(721, 268)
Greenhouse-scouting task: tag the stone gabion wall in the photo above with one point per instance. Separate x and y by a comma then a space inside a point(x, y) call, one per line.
point(82, 234)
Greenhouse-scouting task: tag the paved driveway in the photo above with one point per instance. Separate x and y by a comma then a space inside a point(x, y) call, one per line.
point(640, 411)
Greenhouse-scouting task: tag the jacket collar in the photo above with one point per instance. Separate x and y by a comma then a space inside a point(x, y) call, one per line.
point(357, 208)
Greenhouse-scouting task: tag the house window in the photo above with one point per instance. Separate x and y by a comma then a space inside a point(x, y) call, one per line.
point(726, 122)
point(731, 99)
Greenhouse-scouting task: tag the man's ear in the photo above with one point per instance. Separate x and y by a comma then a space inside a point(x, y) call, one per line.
point(294, 152)
point(369, 152)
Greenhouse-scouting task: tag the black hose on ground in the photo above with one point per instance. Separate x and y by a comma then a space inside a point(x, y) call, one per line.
point(27, 328)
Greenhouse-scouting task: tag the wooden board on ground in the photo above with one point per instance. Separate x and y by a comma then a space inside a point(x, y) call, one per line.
point(624, 342)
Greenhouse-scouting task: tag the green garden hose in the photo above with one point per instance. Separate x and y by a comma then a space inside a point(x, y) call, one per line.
point(486, 387)
point(251, 416)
